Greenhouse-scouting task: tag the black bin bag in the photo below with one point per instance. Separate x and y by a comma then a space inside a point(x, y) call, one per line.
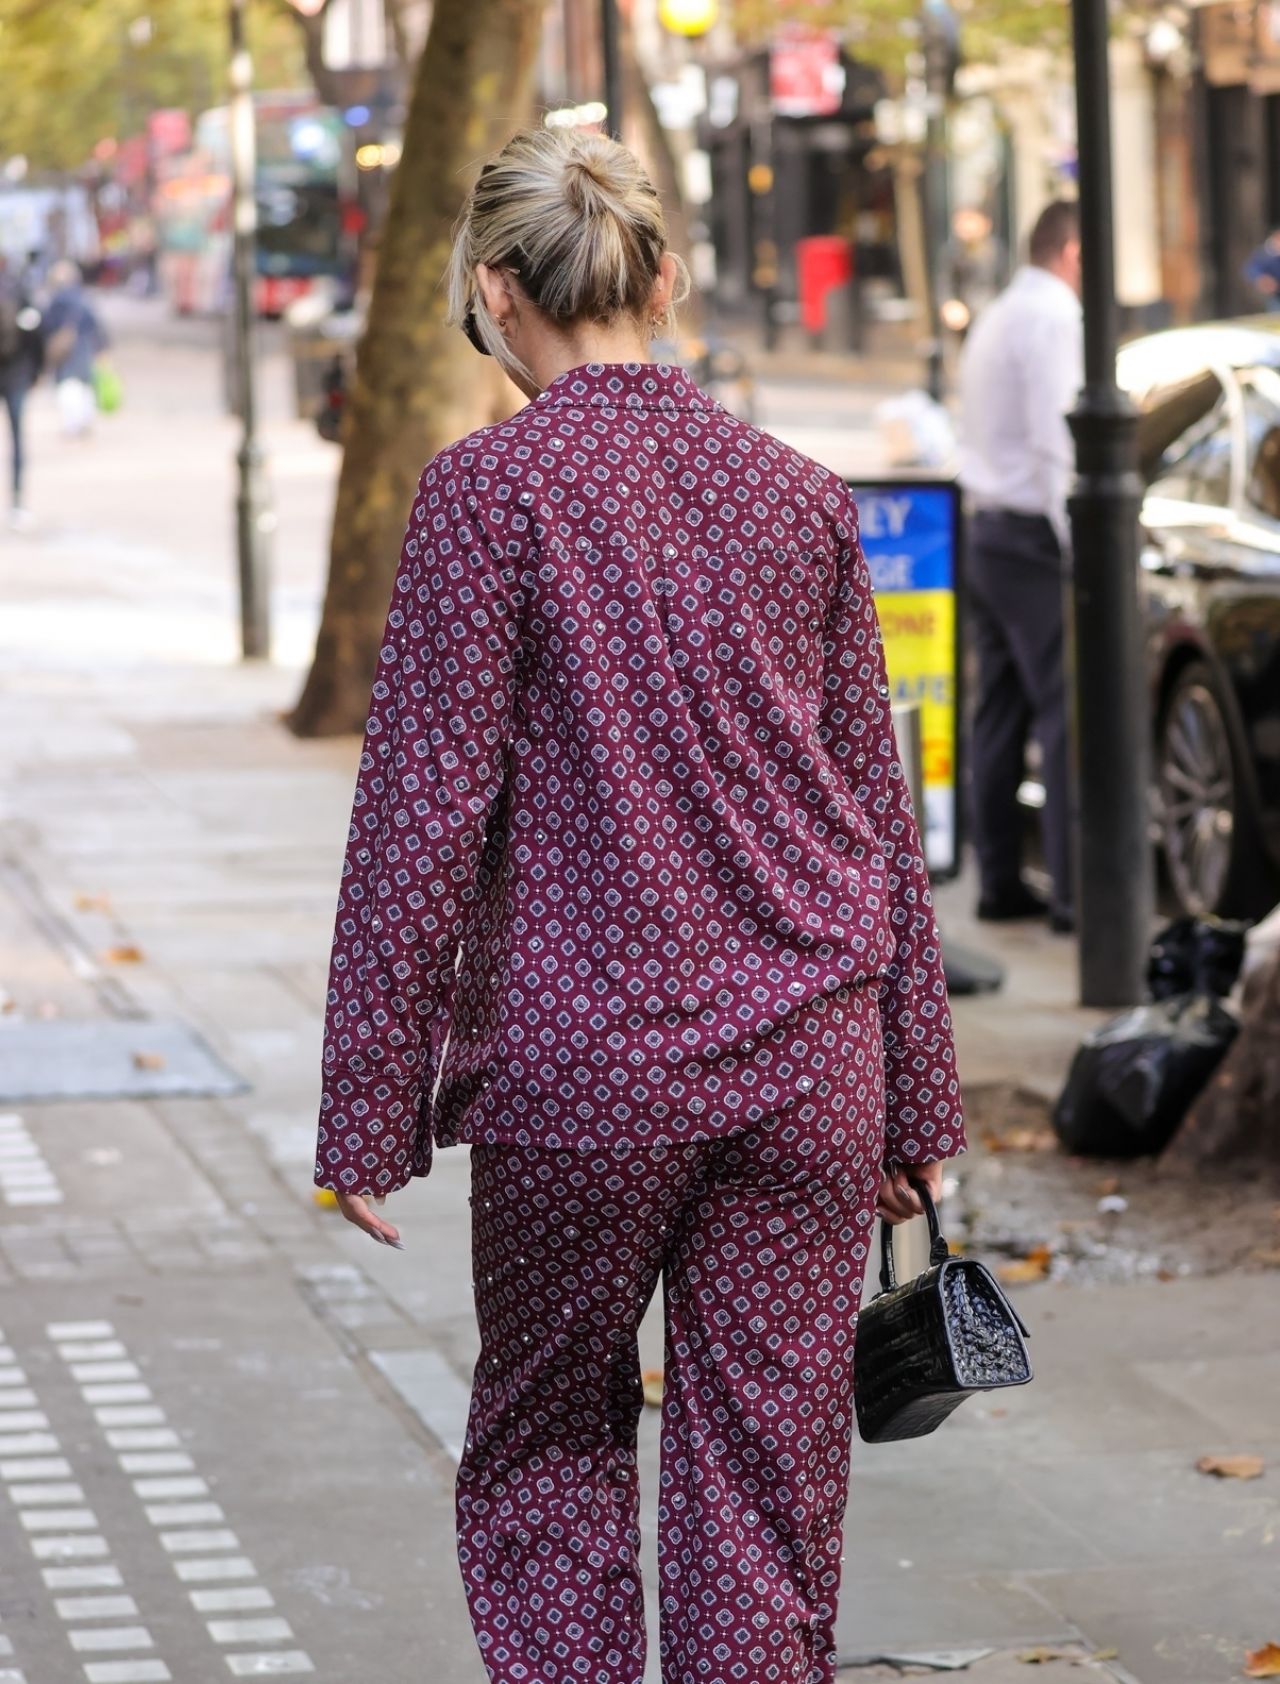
point(1134, 1078)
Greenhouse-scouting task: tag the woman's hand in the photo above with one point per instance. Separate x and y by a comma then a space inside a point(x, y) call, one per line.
point(897, 1201)
point(357, 1209)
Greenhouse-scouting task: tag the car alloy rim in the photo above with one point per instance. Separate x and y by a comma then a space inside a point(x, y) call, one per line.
point(1196, 797)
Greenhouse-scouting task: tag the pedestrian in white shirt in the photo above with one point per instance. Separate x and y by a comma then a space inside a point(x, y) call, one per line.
point(1021, 372)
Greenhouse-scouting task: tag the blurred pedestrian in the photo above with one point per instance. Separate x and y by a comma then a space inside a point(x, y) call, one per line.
point(631, 754)
point(972, 268)
point(74, 339)
point(20, 359)
point(1262, 270)
point(1021, 371)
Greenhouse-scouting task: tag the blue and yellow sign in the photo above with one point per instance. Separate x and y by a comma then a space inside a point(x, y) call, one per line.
point(910, 534)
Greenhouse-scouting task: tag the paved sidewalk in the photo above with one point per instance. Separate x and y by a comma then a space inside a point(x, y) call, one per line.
point(166, 849)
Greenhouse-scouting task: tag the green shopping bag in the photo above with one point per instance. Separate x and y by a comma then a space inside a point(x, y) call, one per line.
point(108, 389)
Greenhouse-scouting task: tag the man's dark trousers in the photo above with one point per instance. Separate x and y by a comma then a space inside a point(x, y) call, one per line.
point(1016, 592)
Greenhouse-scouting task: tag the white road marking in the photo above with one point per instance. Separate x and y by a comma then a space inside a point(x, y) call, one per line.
point(273, 1629)
point(67, 1548)
point(146, 1447)
point(64, 1492)
point(143, 1438)
point(127, 1672)
point(36, 1467)
point(82, 1371)
point(25, 1177)
point(269, 1666)
point(155, 1489)
point(236, 1599)
point(12, 1375)
point(27, 1444)
point(89, 1638)
point(184, 1514)
point(81, 1578)
point(155, 1461)
point(131, 1415)
point(19, 1398)
point(178, 1543)
point(117, 1394)
point(217, 1567)
point(25, 1420)
point(59, 1520)
point(96, 1607)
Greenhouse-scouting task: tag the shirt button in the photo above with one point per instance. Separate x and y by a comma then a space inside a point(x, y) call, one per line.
point(668, 549)
point(805, 1083)
point(798, 987)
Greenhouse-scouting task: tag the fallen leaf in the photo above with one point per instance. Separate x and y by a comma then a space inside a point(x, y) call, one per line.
point(1267, 1255)
point(1041, 1655)
point(148, 1061)
point(1110, 1184)
point(1163, 1274)
point(7, 1001)
point(651, 1380)
point(1104, 1655)
point(1033, 1267)
point(92, 903)
point(1264, 1662)
point(1232, 1467)
point(1020, 1140)
point(126, 954)
point(325, 1197)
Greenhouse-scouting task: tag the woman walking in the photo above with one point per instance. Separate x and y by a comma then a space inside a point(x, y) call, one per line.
point(631, 832)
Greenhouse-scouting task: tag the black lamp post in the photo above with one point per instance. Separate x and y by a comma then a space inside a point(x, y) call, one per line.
point(1110, 713)
point(254, 518)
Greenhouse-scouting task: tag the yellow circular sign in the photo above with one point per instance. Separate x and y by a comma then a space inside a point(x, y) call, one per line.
point(687, 17)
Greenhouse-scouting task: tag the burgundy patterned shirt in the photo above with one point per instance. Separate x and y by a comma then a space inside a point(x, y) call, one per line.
point(630, 828)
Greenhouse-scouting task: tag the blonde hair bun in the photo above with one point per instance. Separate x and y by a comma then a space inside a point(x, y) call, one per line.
point(577, 219)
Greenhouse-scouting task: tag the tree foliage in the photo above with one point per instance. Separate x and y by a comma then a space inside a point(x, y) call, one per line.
point(886, 32)
point(73, 72)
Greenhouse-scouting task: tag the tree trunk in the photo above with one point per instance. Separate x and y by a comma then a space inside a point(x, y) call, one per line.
point(1236, 1120)
point(418, 384)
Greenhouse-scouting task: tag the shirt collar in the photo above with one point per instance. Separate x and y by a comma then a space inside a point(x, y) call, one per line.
point(625, 386)
point(1032, 275)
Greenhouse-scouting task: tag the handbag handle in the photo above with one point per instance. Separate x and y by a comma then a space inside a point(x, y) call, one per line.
point(938, 1250)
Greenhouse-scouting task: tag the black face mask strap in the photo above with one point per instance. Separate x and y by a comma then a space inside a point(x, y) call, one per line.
point(473, 332)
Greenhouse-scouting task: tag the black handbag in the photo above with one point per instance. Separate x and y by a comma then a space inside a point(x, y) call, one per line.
point(923, 1346)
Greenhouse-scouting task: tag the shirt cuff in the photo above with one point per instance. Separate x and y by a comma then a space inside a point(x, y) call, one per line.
point(369, 1139)
point(924, 1114)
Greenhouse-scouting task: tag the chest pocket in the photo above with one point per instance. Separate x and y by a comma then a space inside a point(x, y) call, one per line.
point(745, 626)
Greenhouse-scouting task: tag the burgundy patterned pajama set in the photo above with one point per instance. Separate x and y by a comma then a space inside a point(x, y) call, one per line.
point(634, 904)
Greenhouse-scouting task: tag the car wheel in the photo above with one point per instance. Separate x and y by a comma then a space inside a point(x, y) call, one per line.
point(1215, 858)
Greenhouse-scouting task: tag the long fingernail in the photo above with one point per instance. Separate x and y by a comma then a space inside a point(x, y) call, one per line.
point(375, 1235)
point(398, 1244)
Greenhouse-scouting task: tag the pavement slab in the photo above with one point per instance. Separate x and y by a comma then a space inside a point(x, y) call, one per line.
point(234, 1476)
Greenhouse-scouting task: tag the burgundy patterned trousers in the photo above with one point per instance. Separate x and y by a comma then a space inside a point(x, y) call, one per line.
point(761, 1242)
